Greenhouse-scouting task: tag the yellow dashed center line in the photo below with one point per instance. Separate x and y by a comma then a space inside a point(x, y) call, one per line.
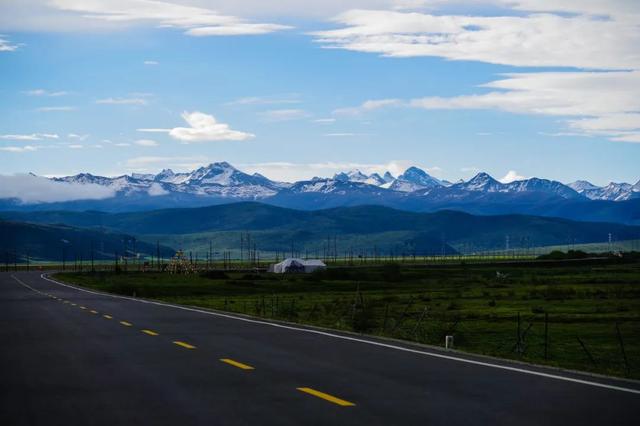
point(149, 332)
point(184, 345)
point(237, 364)
point(327, 397)
point(93, 312)
point(108, 316)
point(126, 324)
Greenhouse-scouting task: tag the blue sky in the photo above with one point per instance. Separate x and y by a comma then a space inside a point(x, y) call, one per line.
point(279, 102)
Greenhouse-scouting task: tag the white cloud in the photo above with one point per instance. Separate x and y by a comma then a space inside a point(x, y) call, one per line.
point(30, 137)
point(77, 136)
point(35, 189)
point(42, 92)
point(122, 101)
point(367, 106)
point(531, 40)
point(55, 108)
point(266, 100)
point(276, 115)
point(195, 21)
point(122, 144)
point(203, 128)
point(26, 148)
point(76, 146)
point(151, 62)
point(146, 142)
point(6, 45)
point(593, 103)
point(325, 120)
point(511, 176)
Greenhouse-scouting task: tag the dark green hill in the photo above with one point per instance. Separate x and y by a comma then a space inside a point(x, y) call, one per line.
point(276, 228)
point(52, 242)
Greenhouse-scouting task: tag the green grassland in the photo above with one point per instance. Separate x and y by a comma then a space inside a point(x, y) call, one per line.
point(586, 303)
point(622, 246)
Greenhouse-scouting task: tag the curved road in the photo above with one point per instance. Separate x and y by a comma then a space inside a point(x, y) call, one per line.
point(75, 357)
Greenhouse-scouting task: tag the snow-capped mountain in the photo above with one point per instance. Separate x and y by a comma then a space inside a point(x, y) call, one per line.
point(482, 182)
point(413, 190)
point(414, 179)
point(542, 185)
point(612, 192)
point(357, 176)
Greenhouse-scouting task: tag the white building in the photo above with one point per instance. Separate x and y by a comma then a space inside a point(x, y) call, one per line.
point(297, 265)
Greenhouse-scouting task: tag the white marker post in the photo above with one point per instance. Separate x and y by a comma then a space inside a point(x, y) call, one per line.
point(448, 342)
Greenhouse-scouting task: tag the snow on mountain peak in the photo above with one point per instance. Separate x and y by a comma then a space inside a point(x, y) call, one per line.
point(414, 179)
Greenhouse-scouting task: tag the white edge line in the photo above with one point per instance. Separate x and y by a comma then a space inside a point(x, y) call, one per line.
point(355, 339)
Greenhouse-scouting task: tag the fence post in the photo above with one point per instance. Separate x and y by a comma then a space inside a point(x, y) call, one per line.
point(518, 341)
point(593, 361)
point(546, 336)
point(624, 353)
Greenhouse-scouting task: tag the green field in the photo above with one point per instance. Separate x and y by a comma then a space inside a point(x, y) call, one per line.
point(586, 303)
point(625, 245)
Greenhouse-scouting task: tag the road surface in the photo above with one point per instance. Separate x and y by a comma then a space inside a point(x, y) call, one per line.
point(73, 357)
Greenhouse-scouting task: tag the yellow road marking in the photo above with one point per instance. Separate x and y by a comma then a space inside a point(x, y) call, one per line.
point(237, 364)
point(108, 316)
point(184, 345)
point(150, 333)
point(327, 397)
point(93, 312)
point(82, 307)
point(127, 324)
point(66, 301)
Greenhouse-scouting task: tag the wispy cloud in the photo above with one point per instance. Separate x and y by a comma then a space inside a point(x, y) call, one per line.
point(276, 115)
point(369, 105)
point(42, 92)
point(30, 137)
point(26, 148)
point(267, 100)
point(540, 39)
point(6, 45)
point(56, 108)
point(122, 101)
point(324, 120)
point(195, 21)
point(77, 136)
point(146, 142)
point(151, 63)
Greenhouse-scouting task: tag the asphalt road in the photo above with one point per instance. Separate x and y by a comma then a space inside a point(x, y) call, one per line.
point(127, 362)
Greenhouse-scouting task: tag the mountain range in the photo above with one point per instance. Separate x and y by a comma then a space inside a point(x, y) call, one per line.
point(413, 190)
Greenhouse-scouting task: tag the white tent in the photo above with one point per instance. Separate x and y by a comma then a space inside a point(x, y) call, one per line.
point(297, 265)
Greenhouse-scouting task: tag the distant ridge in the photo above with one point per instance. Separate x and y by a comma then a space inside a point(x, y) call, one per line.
point(275, 228)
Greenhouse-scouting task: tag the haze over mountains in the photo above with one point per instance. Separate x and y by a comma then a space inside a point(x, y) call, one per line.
point(413, 190)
